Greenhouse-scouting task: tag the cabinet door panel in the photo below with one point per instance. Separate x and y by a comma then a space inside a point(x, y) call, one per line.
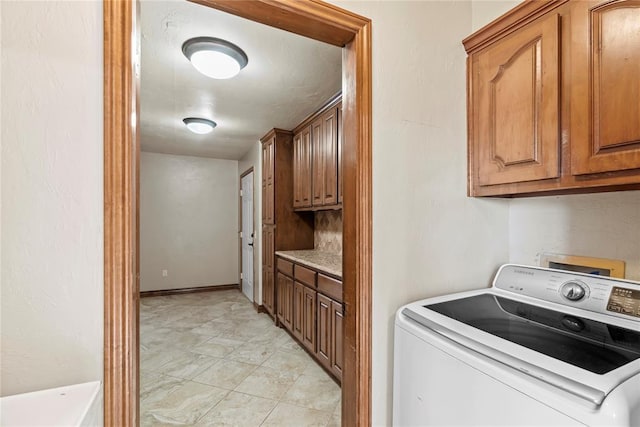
point(605, 89)
point(288, 303)
point(298, 310)
point(518, 107)
point(302, 169)
point(265, 168)
point(270, 204)
point(323, 340)
point(284, 295)
point(268, 293)
point(317, 168)
point(336, 341)
point(309, 318)
point(306, 168)
point(340, 173)
point(330, 154)
point(297, 199)
point(280, 296)
point(268, 169)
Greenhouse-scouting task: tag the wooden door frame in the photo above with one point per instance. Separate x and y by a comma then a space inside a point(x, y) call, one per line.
point(317, 20)
point(240, 218)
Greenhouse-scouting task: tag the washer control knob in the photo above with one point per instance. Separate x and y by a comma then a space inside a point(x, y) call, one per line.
point(573, 290)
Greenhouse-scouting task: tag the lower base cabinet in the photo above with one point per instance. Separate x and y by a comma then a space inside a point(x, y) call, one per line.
point(324, 331)
point(268, 273)
point(298, 309)
point(330, 328)
point(336, 339)
point(313, 318)
point(309, 319)
point(284, 296)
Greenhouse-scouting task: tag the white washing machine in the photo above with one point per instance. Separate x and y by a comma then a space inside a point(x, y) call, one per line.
point(541, 347)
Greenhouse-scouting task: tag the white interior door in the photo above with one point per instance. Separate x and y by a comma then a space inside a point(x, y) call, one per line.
point(246, 185)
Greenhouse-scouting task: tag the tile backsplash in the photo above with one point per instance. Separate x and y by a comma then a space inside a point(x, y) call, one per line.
point(328, 231)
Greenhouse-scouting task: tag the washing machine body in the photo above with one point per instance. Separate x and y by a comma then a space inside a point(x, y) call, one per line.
point(540, 347)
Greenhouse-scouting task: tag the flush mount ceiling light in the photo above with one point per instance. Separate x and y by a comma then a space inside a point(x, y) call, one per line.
point(214, 57)
point(199, 126)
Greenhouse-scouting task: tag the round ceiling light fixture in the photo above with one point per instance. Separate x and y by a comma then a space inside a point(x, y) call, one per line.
point(215, 58)
point(198, 125)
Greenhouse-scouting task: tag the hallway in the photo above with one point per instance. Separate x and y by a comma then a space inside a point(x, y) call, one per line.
point(209, 359)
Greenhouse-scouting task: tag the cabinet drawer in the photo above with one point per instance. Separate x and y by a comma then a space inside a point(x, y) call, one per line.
point(330, 287)
point(304, 275)
point(285, 266)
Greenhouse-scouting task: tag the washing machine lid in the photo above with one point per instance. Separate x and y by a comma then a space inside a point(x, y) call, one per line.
point(588, 344)
point(545, 343)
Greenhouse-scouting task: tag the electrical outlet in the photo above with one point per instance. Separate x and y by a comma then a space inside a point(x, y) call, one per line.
point(165, 273)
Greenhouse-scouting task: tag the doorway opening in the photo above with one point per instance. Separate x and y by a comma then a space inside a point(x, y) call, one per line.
point(313, 19)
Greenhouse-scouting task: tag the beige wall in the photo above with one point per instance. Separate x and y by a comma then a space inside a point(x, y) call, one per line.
point(252, 158)
point(188, 221)
point(425, 229)
point(51, 109)
point(596, 225)
point(485, 11)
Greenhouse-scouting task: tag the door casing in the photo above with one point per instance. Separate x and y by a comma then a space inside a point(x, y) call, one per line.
point(311, 18)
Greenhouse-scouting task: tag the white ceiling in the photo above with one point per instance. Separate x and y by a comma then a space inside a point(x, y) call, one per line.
point(287, 78)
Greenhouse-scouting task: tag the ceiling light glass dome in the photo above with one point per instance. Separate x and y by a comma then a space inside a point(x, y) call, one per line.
point(199, 126)
point(215, 58)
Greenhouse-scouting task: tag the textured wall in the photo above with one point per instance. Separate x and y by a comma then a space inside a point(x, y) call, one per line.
point(603, 225)
point(425, 229)
point(188, 221)
point(51, 108)
point(485, 11)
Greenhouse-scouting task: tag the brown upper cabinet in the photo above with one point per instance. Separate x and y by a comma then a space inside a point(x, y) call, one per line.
point(553, 89)
point(325, 159)
point(340, 174)
point(317, 159)
point(302, 168)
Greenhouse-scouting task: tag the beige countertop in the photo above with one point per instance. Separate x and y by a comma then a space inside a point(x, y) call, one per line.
point(325, 261)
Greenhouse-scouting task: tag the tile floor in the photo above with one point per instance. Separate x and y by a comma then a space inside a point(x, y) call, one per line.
point(208, 359)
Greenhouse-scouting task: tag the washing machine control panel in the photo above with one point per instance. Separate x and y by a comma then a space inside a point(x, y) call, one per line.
point(590, 292)
point(625, 301)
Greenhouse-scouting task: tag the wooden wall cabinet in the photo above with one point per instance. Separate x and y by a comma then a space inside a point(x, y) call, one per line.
point(302, 168)
point(325, 158)
point(340, 174)
point(605, 87)
point(318, 158)
point(553, 91)
point(282, 228)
